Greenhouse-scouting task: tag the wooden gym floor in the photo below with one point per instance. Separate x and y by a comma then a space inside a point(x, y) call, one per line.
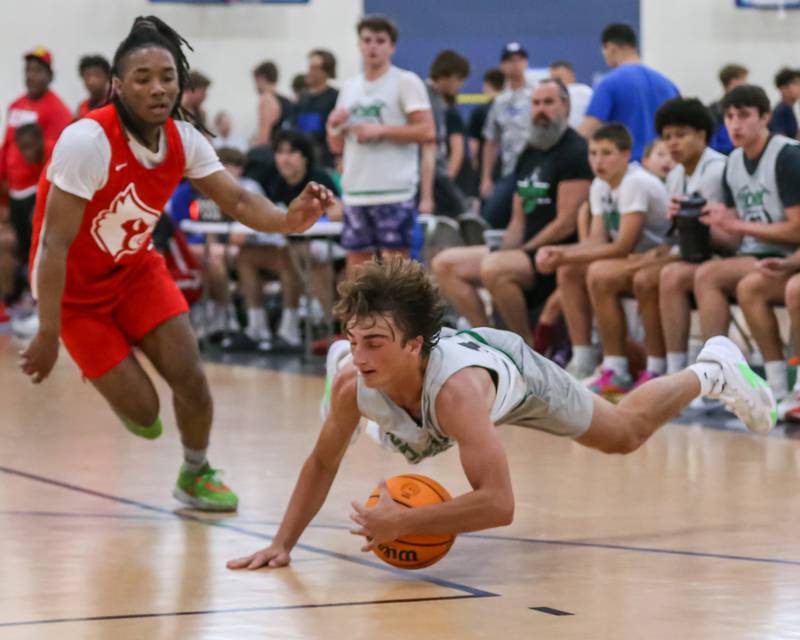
point(694, 536)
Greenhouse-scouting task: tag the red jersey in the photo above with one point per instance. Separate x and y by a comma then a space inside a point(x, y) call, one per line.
point(86, 106)
point(52, 115)
point(118, 221)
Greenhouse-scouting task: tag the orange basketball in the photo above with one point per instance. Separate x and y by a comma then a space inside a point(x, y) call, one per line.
point(413, 552)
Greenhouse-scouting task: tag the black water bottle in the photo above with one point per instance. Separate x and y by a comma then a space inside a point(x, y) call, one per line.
point(694, 237)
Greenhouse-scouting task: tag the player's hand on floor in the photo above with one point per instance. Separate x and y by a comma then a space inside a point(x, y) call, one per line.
point(273, 556)
point(38, 359)
point(378, 524)
point(306, 208)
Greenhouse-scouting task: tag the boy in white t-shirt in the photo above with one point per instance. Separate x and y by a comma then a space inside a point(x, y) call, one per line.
point(381, 117)
point(628, 206)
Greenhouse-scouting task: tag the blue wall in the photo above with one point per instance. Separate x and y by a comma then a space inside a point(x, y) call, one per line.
point(478, 29)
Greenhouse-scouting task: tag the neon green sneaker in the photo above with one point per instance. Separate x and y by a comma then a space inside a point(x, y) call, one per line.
point(203, 490)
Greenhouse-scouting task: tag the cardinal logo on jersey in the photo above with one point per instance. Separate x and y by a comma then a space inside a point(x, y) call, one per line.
point(127, 224)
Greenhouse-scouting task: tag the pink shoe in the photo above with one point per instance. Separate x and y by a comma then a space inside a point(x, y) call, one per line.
point(610, 384)
point(645, 376)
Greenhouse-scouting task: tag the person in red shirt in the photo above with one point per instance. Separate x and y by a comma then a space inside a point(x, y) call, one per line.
point(17, 177)
point(95, 71)
point(99, 285)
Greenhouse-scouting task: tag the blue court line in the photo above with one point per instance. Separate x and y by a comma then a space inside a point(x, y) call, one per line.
point(205, 612)
point(406, 575)
point(479, 536)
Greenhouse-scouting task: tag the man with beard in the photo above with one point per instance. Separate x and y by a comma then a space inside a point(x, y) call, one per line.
point(553, 179)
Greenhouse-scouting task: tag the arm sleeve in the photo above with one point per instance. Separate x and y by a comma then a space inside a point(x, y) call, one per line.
point(596, 197)
point(79, 164)
point(490, 131)
point(787, 170)
point(201, 159)
point(575, 165)
point(726, 189)
point(634, 196)
point(602, 102)
point(413, 94)
point(454, 123)
point(712, 184)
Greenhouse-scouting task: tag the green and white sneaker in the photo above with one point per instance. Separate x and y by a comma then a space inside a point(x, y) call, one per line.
point(203, 490)
point(337, 352)
point(738, 387)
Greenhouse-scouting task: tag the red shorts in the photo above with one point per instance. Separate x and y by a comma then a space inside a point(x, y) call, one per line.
point(99, 337)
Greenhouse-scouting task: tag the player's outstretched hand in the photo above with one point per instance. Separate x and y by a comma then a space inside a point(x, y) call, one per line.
point(378, 524)
point(273, 556)
point(306, 208)
point(38, 359)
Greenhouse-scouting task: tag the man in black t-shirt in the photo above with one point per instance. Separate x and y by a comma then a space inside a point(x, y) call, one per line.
point(553, 179)
point(316, 103)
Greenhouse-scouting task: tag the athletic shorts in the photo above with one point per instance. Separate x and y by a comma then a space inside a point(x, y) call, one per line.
point(379, 226)
point(99, 337)
point(544, 284)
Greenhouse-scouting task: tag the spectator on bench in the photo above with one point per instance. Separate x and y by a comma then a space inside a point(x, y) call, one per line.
point(784, 121)
point(628, 206)
point(761, 212)
point(776, 281)
point(686, 127)
point(553, 178)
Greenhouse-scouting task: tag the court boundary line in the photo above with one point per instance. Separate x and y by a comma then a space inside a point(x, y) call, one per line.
point(479, 536)
point(204, 612)
point(404, 574)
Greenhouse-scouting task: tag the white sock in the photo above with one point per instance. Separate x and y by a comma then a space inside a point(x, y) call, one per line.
point(583, 357)
point(618, 364)
point(677, 361)
point(194, 459)
point(708, 374)
point(777, 380)
point(656, 365)
point(257, 322)
point(290, 324)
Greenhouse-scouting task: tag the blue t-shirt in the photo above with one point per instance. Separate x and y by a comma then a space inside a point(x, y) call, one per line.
point(631, 94)
point(179, 208)
point(783, 121)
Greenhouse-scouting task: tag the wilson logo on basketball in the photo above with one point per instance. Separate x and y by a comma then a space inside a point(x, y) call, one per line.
point(409, 490)
point(403, 555)
point(124, 227)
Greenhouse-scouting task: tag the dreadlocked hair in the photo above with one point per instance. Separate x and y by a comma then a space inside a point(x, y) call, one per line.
point(151, 31)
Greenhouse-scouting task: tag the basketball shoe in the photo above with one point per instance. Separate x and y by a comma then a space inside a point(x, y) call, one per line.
point(738, 387)
point(203, 490)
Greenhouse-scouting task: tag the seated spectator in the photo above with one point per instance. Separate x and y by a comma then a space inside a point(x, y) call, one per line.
point(294, 158)
point(783, 119)
point(194, 95)
point(775, 282)
point(730, 76)
point(224, 138)
point(760, 212)
point(316, 103)
point(686, 127)
point(628, 206)
point(8, 266)
point(493, 81)
point(553, 179)
point(630, 93)
point(579, 94)
point(274, 109)
point(505, 132)
point(95, 72)
point(447, 74)
point(657, 159)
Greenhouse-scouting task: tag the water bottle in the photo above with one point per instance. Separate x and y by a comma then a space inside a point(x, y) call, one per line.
point(694, 237)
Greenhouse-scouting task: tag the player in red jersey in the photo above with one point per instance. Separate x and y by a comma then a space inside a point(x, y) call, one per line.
point(99, 284)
